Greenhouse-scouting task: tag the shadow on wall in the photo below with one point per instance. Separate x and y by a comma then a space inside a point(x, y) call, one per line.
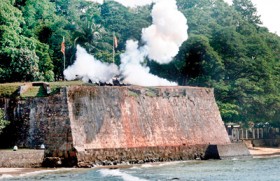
point(17, 127)
point(212, 153)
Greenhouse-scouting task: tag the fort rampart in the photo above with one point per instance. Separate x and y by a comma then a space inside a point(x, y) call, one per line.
point(89, 125)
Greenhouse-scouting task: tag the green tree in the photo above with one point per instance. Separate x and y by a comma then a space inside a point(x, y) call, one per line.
point(3, 122)
point(248, 11)
point(247, 88)
point(202, 65)
point(88, 33)
point(22, 58)
point(126, 23)
point(44, 25)
point(39, 16)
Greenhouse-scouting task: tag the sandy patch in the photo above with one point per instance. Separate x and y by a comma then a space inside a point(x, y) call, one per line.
point(19, 172)
point(264, 151)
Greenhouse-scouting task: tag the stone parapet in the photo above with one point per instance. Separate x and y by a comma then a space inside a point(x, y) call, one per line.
point(25, 158)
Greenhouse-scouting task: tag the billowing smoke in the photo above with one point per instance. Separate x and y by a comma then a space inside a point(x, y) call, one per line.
point(161, 43)
point(167, 33)
point(133, 70)
point(86, 67)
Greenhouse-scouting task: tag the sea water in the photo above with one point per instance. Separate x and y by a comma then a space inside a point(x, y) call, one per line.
point(263, 169)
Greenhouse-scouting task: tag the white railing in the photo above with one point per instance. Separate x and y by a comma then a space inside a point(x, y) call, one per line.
point(252, 133)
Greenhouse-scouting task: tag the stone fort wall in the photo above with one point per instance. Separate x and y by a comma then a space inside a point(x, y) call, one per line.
point(108, 125)
point(134, 124)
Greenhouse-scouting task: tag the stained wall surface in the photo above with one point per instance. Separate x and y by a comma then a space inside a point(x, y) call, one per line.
point(86, 125)
point(131, 117)
point(36, 121)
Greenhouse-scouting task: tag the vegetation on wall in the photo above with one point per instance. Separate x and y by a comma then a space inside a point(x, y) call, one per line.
point(3, 122)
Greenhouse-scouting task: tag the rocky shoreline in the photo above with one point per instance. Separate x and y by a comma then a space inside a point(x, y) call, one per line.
point(256, 152)
point(32, 158)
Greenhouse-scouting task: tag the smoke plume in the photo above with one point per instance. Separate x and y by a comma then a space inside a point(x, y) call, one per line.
point(133, 70)
point(168, 31)
point(161, 43)
point(86, 67)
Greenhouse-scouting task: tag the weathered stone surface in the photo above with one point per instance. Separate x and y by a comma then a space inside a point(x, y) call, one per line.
point(52, 162)
point(129, 117)
point(21, 158)
point(37, 121)
point(89, 125)
point(140, 155)
point(233, 150)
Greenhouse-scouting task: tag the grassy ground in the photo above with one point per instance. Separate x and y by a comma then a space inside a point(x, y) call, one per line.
point(36, 91)
point(11, 89)
point(8, 89)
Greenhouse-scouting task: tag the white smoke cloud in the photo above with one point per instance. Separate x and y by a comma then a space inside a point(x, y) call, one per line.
point(168, 32)
point(134, 72)
point(161, 43)
point(88, 68)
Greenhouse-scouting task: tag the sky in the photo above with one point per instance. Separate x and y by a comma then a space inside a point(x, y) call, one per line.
point(133, 3)
point(270, 14)
point(129, 3)
point(268, 9)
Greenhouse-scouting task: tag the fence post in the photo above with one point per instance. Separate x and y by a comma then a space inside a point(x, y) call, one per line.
point(238, 136)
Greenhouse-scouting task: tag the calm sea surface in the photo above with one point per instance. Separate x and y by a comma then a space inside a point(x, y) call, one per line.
point(249, 169)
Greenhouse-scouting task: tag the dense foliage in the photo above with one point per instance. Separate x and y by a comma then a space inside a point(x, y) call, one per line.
point(227, 49)
point(3, 122)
